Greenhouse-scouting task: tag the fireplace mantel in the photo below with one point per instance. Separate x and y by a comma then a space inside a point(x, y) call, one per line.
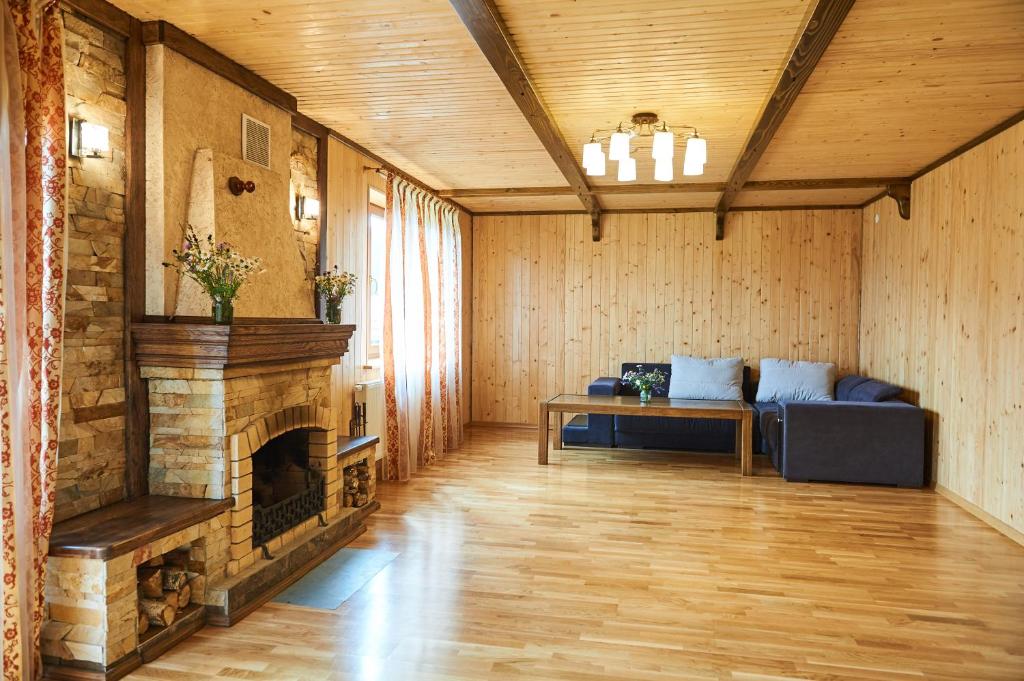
point(193, 344)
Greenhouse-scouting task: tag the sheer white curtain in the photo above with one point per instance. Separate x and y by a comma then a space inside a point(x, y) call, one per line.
point(422, 330)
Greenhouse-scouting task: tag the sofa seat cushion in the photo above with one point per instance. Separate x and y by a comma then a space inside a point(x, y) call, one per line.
point(577, 431)
point(668, 424)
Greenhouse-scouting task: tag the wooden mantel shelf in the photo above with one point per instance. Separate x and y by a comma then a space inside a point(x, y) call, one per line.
point(192, 343)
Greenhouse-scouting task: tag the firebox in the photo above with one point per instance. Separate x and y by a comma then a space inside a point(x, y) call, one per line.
point(285, 489)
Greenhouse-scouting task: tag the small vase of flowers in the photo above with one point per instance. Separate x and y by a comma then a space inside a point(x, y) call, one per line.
point(218, 268)
point(643, 381)
point(334, 286)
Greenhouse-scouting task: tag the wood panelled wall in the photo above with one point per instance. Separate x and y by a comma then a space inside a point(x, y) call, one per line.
point(943, 314)
point(552, 310)
point(348, 186)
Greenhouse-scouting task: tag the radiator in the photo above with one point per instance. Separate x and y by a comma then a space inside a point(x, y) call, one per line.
point(371, 393)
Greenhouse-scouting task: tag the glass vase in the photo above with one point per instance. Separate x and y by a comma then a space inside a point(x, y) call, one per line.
point(645, 395)
point(223, 311)
point(333, 313)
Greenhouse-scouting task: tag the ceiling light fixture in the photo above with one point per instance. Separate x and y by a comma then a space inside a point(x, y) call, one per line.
point(662, 149)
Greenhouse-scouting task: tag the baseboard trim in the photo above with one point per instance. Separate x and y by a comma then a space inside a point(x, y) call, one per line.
point(981, 514)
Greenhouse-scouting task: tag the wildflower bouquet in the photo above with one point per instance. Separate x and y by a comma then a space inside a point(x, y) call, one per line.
point(334, 285)
point(217, 267)
point(644, 382)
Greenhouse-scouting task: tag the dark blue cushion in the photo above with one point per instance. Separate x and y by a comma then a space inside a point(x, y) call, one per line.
point(846, 384)
point(874, 391)
point(604, 386)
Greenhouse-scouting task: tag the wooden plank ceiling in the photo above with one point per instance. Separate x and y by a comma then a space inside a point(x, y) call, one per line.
point(702, 62)
point(401, 77)
point(900, 85)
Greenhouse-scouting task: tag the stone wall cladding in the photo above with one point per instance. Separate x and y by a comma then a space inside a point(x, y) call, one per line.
point(303, 167)
point(193, 412)
point(91, 461)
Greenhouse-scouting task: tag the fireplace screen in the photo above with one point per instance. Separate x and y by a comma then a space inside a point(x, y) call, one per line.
point(286, 491)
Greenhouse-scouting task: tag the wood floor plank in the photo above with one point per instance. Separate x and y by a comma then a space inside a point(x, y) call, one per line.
point(612, 565)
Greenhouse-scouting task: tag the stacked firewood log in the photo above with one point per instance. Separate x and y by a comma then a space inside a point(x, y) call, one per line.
point(165, 589)
point(356, 484)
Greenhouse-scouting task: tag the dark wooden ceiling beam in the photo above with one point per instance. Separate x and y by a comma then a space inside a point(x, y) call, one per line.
point(680, 188)
point(164, 33)
point(103, 13)
point(488, 29)
point(823, 25)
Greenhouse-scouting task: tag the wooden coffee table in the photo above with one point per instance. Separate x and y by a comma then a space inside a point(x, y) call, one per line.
point(623, 405)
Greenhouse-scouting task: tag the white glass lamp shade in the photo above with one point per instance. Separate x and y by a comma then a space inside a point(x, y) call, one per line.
point(95, 139)
point(692, 168)
point(627, 169)
point(596, 166)
point(663, 169)
point(664, 145)
point(696, 150)
point(591, 150)
point(618, 147)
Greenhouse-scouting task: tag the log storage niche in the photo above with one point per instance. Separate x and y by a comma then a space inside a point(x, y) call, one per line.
point(166, 585)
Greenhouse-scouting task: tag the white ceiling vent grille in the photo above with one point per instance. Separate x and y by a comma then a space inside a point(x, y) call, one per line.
point(255, 141)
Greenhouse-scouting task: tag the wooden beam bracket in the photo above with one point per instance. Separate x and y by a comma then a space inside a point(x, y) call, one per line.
point(901, 193)
point(719, 225)
point(595, 226)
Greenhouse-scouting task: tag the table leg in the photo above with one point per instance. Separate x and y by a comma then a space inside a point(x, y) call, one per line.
point(542, 427)
point(747, 446)
point(738, 449)
point(556, 436)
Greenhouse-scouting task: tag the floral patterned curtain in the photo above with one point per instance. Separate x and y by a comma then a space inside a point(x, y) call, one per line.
point(32, 262)
point(422, 329)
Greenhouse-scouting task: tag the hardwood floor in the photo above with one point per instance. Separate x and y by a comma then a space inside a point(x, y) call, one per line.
point(606, 565)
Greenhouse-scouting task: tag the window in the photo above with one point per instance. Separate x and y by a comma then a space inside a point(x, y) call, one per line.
point(376, 244)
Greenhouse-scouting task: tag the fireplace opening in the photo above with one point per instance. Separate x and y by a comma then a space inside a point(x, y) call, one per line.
point(285, 489)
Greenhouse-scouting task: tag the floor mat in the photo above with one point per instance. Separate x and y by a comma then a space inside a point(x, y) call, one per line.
point(331, 583)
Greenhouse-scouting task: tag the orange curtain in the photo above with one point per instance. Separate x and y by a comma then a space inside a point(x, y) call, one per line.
point(32, 237)
point(422, 330)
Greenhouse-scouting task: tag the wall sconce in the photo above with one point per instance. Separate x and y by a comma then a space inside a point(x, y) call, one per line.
point(306, 208)
point(88, 140)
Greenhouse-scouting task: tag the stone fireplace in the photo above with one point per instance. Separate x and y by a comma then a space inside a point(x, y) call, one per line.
point(249, 487)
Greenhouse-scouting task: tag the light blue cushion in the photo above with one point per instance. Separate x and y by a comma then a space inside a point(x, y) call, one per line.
point(694, 378)
point(782, 379)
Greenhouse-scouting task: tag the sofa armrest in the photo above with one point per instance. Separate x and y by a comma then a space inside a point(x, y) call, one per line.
point(867, 442)
point(605, 386)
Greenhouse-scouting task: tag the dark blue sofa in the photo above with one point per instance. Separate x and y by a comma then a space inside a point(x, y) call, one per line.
point(653, 432)
point(866, 435)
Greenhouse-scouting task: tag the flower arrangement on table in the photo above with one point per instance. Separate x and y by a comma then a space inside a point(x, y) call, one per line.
point(334, 286)
point(218, 268)
point(645, 382)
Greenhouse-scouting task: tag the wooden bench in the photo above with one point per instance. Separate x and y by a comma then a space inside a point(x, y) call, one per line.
point(348, 444)
point(115, 530)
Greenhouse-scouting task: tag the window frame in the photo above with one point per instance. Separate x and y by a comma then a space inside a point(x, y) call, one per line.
point(374, 351)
